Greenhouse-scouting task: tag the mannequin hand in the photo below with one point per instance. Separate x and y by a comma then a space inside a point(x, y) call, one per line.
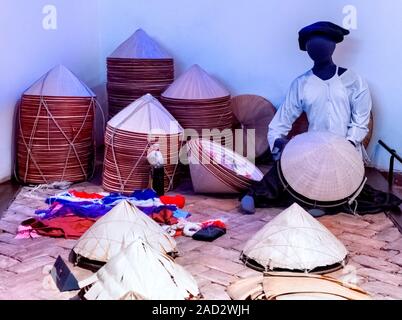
point(279, 146)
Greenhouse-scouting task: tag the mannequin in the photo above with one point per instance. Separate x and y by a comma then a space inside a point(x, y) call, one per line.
point(334, 99)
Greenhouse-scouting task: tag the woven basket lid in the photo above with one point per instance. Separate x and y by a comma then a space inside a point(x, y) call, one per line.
point(294, 240)
point(59, 82)
point(146, 115)
point(322, 167)
point(254, 112)
point(141, 272)
point(196, 84)
point(140, 46)
point(118, 229)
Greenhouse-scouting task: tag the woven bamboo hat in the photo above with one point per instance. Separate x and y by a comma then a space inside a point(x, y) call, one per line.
point(118, 229)
point(253, 113)
point(322, 168)
point(140, 272)
point(295, 241)
point(59, 82)
point(146, 115)
point(196, 84)
point(140, 46)
point(294, 286)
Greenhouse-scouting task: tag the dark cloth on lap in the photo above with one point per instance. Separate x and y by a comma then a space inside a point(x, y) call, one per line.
point(270, 193)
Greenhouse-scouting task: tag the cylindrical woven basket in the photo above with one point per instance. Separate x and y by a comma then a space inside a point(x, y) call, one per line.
point(55, 139)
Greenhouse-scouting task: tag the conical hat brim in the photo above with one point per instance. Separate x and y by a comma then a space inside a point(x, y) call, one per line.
point(291, 286)
point(254, 112)
point(322, 166)
point(139, 271)
point(294, 240)
point(120, 227)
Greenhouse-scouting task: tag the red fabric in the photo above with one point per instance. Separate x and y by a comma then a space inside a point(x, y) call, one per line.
point(68, 227)
point(165, 216)
point(85, 195)
point(179, 201)
point(214, 223)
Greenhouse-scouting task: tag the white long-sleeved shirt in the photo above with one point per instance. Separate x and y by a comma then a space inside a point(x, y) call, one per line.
point(340, 105)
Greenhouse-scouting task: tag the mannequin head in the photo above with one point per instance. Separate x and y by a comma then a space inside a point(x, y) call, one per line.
point(320, 48)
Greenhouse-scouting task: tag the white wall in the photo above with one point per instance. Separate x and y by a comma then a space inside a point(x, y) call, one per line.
point(251, 45)
point(28, 51)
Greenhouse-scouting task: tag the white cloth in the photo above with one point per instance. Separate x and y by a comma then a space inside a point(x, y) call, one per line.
point(340, 105)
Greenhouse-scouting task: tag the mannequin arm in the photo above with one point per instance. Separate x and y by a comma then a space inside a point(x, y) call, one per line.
point(286, 115)
point(361, 105)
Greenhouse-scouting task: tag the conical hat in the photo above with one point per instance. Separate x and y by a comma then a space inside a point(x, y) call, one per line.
point(118, 229)
point(140, 46)
point(294, 286)
point(59, 82)
point(196, 84)
point(322, 167)
point(254, 112)
point(294, 240)
point(141, 272)
point(146, 115)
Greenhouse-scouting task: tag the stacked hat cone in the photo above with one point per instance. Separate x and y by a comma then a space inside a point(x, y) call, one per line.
point(55, 134)
point(140, 272)
point(120, 227)
point(216, 169)
point(294, 241)
point(128, 137)
point(200, 102)
point(137, 67)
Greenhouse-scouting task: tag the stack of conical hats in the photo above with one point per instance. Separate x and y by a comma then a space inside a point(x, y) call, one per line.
point(137, 67)
point(294, 241)
point(322, 168)
point(199, 102)
point(216, 169)
point(55, 136)
point(128, 137)
point(139, 272)
point(115, 231)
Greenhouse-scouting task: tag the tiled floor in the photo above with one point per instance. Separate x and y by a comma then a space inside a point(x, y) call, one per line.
point(374, 243)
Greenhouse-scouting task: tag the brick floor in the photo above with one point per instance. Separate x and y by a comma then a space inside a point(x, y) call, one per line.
point(375, 247)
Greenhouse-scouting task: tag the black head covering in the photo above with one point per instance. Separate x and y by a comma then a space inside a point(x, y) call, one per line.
point(323, 28)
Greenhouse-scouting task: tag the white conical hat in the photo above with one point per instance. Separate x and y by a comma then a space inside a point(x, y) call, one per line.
point(294, 240)
point(59, 82)
point(140, 46)
point(141, 272)
point(322, 166)
point(118, 229)
point(146, 115)
point(196, 84)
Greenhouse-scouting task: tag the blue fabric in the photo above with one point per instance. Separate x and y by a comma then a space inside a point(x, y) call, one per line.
point(144, 194)
point(81, 209)
point(98, 207)
point(181, 214)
